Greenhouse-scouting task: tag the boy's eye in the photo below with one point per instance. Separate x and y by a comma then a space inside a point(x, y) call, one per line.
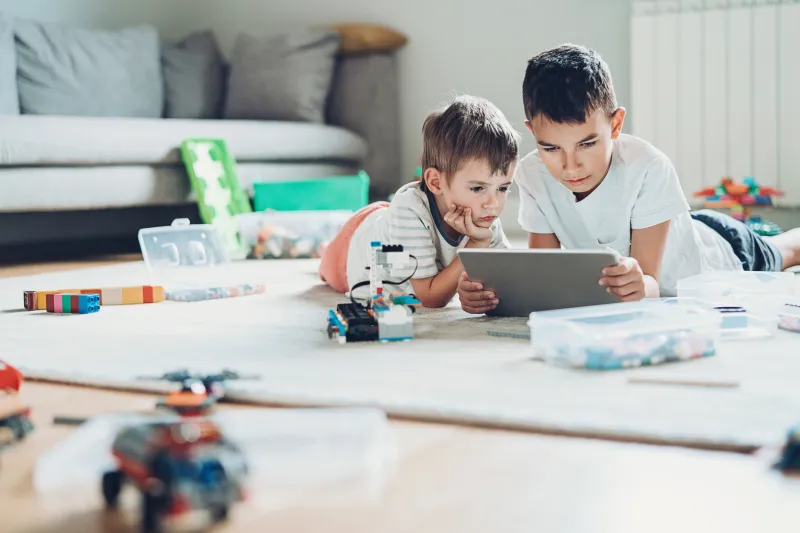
point(503, 189)
point(551, 149)
point(589, 144)
point(477, 188)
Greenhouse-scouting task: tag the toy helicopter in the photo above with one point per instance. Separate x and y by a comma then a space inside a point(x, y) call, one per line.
point(198, 392)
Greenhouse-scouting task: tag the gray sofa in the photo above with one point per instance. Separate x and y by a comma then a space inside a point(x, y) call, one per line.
point(73, 177)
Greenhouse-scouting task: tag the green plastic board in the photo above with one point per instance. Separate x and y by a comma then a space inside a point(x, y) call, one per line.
point(333, 193)
point(212, 174)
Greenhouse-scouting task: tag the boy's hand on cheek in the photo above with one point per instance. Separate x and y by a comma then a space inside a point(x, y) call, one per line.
point(460, 219)
point(473, 298)
point(625, 280)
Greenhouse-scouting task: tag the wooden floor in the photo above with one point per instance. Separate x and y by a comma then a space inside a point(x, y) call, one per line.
point(444, 479)
point(28, 269)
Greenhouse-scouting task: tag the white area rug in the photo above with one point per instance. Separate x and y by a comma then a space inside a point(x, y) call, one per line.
point(452, 371)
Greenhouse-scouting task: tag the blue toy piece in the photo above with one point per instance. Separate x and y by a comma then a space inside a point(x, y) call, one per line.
point(789, 461)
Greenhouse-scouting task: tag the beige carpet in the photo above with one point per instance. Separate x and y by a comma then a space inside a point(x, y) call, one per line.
point(452, 371)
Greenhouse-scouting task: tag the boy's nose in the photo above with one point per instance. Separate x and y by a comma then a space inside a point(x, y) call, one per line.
point(570, 162)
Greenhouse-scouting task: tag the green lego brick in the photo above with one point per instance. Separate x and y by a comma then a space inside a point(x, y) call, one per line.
point(220, 197)
point(66, 303)
point(332, 193)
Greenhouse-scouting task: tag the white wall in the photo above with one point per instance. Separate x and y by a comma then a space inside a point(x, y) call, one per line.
point(455, 46)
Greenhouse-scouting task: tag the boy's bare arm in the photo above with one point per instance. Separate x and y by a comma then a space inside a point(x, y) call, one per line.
point(543, 240)
point(647, 247)
point(438, 290)
point(638, 276)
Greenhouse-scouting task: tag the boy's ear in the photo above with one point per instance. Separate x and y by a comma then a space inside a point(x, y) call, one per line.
point(617, 120)
point(434, 180)
point(528, 125)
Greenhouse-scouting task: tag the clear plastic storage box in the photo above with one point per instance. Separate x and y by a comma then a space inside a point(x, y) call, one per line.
point(623, 335)
point(761, 293)
point(286, 449)
point(289, 234)
point(185, 255)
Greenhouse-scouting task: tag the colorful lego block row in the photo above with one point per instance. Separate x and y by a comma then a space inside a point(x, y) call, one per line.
point(72, 303)
point(141, 294)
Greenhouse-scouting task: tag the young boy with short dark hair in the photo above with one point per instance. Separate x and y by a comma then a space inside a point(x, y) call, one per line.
point(470, 152)
point(588, 185)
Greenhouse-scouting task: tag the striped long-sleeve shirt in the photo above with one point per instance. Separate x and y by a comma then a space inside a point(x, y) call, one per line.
point(410, 221)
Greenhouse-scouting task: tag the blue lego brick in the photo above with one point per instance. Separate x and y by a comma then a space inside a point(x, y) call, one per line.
point(88, 303)
point(762, 200)
point(374, 243)
point(333, 319)
point(406, 300)
point(396, 339)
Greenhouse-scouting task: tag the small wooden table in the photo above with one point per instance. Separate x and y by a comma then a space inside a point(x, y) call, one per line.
point(446, 479)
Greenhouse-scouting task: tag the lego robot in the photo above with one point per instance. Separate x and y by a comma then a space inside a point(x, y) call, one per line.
point(179, 466)
point(198, 393)
point(386, 316)
point(14, 413)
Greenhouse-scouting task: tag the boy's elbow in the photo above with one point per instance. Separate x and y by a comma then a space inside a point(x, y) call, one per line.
point(431, 302)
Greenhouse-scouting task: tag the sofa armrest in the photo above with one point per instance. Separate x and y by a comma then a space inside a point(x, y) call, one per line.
point(364, 98)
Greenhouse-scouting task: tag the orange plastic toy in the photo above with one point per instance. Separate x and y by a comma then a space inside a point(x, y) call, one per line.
point(15, 422)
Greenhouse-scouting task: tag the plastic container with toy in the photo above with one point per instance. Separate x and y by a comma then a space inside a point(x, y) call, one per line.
point(288, 450)
point(289, 234)
point(755, 297)
point(191, 261)
point(624, 335)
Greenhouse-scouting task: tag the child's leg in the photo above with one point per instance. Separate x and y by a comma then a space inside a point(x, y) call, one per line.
point(756, 253)
point(788, 244)
point(333, 266)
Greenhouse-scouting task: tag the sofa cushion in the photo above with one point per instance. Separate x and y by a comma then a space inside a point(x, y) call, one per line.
point(194, 75)
point(9, 99)
point(76, 71)
point(282, 77)
point(61, 140)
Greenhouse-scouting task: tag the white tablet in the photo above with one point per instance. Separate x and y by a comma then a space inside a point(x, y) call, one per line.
point(526, 280)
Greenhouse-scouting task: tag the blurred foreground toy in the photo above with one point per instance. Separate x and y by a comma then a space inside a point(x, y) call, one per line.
point(178, 467)
point(386, 316)
point(789, 461)
point(14, 414)
point(739, 198)
point(198, 392)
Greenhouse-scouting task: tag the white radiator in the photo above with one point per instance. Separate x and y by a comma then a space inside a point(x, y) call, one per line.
point(716, 86)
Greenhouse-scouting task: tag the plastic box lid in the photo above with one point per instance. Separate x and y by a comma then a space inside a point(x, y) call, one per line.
point(185, 254)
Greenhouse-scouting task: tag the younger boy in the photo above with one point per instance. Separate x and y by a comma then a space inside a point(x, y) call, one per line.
point(469, 155)
point(587, 185)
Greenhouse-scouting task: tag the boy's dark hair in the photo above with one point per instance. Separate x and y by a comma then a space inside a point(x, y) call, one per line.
point(469, 128)
point(566, 84)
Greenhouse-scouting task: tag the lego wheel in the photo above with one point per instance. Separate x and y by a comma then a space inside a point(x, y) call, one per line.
point(219, 513)
point(151, 513)
point(18, 426)
point(112, 486)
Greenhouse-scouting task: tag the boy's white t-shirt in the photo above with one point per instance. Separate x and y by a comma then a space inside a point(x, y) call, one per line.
point(640, 190)
point(410, 221)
